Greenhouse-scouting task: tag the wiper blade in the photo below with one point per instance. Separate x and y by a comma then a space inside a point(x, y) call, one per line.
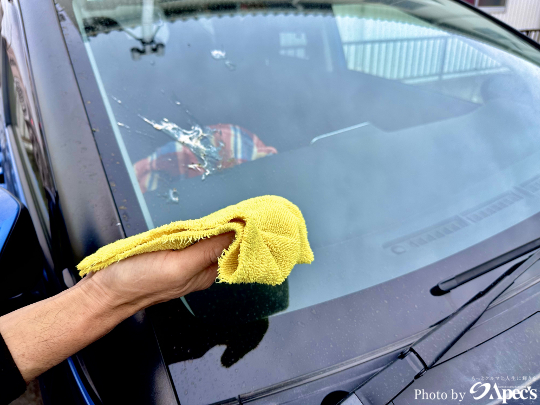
point(389, 382)
point(449, 284)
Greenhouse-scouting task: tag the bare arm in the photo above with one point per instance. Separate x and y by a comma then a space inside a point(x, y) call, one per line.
point(43, 334)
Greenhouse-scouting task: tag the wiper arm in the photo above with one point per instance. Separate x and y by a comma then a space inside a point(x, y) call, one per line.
point(449, 284)
point(389, 382)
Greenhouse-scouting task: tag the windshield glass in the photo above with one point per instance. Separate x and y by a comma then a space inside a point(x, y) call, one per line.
point(405, 133)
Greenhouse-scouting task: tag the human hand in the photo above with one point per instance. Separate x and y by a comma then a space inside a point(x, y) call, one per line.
point(43, 334)
point(150, 278)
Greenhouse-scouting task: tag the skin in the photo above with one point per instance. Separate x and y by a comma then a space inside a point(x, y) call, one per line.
point(44, 334)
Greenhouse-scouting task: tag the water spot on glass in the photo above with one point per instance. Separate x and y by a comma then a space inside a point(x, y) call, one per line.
point(178, 103)
point(144, 133)
point(236, 370)
point(196, 166)
point(117, 100)
point(173, 196)
point(120, 124)
point(218, 54)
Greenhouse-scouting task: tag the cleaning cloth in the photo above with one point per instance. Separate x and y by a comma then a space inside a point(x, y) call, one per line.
point(271, 237)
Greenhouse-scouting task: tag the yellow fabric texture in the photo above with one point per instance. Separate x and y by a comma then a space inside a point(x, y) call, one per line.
point(271, 237)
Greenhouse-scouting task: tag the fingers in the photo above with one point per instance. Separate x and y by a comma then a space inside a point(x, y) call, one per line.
point(204, 253)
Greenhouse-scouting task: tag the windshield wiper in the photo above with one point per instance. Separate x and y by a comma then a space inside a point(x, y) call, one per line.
point(449, 284)
point(389, 382)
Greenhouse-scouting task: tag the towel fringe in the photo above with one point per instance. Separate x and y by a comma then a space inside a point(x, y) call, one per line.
point(270, 238)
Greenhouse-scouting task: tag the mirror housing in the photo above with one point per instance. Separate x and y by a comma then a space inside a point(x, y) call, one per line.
point(21, 259)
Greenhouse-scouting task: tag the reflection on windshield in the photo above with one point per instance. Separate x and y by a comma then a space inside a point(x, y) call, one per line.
point(197, 152)
point(414, 54)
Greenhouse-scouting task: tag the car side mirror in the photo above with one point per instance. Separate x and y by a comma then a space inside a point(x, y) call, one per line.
point(21, 259)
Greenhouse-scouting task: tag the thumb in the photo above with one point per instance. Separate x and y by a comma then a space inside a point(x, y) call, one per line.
point(204, 253)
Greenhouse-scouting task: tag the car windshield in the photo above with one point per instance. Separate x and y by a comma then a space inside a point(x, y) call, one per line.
point(407, 132)
point(404, 132)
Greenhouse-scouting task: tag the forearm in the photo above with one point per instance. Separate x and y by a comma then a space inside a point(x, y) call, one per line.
point(42, 335)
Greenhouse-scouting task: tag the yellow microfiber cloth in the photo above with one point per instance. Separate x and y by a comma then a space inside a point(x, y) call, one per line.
point(271, 237)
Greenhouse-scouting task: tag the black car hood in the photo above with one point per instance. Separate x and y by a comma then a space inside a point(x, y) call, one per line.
point(501, 352)
point(328, 346)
